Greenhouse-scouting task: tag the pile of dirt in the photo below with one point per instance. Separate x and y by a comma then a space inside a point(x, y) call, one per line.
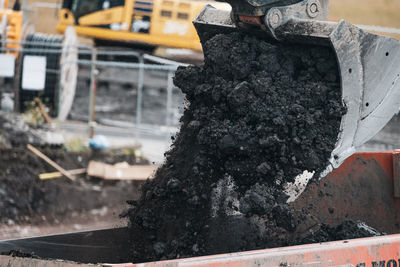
point(258, 115)
point(24, 198)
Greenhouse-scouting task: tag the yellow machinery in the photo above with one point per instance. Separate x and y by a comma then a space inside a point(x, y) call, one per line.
point(165, 23)
point(11, 27)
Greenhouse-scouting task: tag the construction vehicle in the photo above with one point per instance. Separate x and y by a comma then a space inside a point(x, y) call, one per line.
point(152, 23)
point(10, 27)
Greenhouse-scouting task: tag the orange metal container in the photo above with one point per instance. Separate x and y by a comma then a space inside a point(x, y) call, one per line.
point(366, 187)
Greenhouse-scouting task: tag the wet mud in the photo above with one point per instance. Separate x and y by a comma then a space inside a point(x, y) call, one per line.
point(257, 115)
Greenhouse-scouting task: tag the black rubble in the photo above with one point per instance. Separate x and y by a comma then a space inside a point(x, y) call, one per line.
point(257, 115)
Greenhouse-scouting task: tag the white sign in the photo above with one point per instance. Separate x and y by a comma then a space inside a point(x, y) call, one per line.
point(34, 73)
point(174, 27)
point(7, 65)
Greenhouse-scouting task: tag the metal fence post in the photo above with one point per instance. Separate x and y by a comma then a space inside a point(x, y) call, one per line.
point(139, 95)
point(169, 97)
point(17, 81)
point(1, 90)
point(93, 85)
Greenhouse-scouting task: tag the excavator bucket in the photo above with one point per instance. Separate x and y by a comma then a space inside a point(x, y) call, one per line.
point(369, 66)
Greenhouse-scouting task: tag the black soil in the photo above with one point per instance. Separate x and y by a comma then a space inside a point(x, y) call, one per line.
point(257, 116)
point(24, 198)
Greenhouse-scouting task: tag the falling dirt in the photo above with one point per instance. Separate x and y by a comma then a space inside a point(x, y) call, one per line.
point(257, 116)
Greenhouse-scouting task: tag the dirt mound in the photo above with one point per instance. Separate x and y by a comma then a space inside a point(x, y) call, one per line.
point(25, 198)
point(258, 115)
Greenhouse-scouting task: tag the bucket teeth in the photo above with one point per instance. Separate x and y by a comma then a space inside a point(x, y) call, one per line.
point(210, 22)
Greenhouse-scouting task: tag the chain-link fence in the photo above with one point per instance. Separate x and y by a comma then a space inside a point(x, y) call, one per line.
point(115, 87)
point(136, 92)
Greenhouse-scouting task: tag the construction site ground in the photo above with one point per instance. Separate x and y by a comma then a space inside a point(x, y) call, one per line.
point(90, 222)
point(32, 207)
point(154, 144)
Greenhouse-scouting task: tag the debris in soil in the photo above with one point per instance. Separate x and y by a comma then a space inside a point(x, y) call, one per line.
point(258, 115)
point(121, 171)
point(15, 132)
point(26, 198)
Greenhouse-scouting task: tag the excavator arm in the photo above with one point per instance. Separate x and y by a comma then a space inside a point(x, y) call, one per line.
point(270, 14)
point(257, 8)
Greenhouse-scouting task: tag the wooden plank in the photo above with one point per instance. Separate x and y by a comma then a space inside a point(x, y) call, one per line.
point(43, 110)
point(53, 175)
point(121, 171)
point(50, 162)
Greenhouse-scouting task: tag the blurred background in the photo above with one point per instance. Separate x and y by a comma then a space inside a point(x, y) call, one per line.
point(383, 13)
